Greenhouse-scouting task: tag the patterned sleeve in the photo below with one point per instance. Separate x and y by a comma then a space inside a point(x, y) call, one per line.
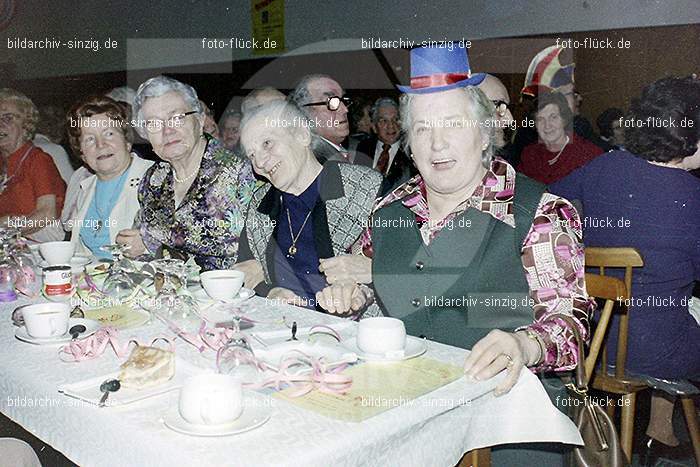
point(553, 258)
point(144, 194)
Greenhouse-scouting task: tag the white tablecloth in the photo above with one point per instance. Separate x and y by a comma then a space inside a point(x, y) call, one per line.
point(435, 430)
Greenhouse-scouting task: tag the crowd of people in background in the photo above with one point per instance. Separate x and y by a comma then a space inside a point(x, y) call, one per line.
point(367, 207)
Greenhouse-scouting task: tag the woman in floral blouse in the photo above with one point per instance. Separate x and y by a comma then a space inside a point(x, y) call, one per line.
point(195, 200)
point(470, 254)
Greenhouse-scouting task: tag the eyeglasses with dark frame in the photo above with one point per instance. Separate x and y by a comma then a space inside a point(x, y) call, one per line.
point(155, 125)
point(9, 117)
point(501, 107)
point(332, 103)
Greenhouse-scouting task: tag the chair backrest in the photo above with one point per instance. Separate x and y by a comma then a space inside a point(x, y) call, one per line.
point(616, 257)
point(609, 289)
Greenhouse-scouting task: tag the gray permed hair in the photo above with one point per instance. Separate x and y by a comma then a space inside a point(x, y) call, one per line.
point(378, 104)
point(156, 87)
point(30, 117)
point(479, 107)
point(287, 115)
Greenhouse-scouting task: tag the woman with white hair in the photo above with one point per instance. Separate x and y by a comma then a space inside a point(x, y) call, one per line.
point(31, 189)
point(194, 201)
point(307, 212)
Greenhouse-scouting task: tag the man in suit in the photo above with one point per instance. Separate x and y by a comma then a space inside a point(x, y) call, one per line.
point(383, 151)
point(323, 101)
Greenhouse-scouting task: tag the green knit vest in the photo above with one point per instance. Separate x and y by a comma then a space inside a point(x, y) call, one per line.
point(468, 281)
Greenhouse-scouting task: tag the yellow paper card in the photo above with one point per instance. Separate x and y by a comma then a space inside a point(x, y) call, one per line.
point(121, 316)
point(378, 387)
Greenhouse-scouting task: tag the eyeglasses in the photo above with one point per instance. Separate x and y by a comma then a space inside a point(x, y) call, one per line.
point(501, 107)
point(332, 103)
point(155, 125)
point(9, 117)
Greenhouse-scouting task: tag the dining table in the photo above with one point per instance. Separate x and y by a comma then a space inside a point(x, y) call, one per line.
point(436, 428)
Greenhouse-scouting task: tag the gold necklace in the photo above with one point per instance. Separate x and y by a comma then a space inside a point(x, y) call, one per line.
point(293, 249)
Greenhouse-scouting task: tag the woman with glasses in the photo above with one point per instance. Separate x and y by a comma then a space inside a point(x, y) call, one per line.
point(195, 199)
point(559, 151)
point(306, 214)
point(107, 202)
point(31, 189)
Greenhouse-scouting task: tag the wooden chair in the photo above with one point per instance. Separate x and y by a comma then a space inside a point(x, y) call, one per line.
point(476, 458)
point(620, 383)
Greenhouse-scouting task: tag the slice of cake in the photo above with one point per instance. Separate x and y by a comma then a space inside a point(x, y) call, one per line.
point(147, 367)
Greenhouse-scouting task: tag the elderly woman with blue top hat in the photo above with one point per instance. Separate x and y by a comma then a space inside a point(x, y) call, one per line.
point(471, 254)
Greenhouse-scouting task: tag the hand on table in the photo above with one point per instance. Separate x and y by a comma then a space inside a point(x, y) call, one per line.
point(286, 296)
point(341, 298)
point(253, 272)
point(346, 268)
point(132, 237)
point(489, 357)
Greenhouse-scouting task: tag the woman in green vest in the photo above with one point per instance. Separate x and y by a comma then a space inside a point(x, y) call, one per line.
point(468, 252)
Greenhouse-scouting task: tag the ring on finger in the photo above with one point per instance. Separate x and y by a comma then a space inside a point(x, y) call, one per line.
point(509, 358)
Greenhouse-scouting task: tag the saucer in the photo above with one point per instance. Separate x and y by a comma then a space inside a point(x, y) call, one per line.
point(414, 348)
point(77, 263)
point(92, 327)
point(201, 296)
point(251, 418)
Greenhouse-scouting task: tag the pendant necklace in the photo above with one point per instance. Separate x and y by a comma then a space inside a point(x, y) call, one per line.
point(556, 158)
point(293, 249)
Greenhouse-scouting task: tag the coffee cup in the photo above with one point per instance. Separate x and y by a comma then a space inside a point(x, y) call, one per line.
point(46, 319)
point(381, 335)
point(211, 399)
point(57, 252)
point(222, 284)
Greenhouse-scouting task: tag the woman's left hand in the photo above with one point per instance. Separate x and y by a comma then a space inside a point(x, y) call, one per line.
point(346, 268)
point(497, 351)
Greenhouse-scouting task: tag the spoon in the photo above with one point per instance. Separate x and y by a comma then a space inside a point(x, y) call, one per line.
point(110, 385)
point(76, 330)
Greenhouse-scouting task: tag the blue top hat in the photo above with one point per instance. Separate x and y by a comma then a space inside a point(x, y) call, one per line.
point(437, 69)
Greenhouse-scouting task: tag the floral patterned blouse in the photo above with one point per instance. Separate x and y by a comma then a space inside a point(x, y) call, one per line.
point(552, 255)
point(208, 222)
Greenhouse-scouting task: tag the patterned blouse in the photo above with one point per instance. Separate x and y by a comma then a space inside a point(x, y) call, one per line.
point(208, 222)
point(552, 255)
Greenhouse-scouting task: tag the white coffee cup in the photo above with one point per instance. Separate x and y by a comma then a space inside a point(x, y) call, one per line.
point(211, 399)
point(381, 335)
point(57, 252)
point(222, 284)
point(46, 319)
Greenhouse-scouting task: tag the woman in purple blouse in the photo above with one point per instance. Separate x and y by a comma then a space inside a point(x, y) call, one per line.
point(648, 200)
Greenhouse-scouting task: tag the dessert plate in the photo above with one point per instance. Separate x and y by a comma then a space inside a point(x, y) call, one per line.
point(253, 416)
point(201, 296)
point(90, 325)
point(414, 348)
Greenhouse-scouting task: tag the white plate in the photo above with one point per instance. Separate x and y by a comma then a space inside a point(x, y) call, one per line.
point(77, 263)
point(92, 327)
point(274, 352)
point(251, 418)
point(201, 296)
point(89, 390)
point(414, 348)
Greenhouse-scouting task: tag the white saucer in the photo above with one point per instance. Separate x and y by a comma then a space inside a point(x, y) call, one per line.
point(251, 418)
point(414, 348)
point(201, 296)
point(91, 328)
point(77, 263)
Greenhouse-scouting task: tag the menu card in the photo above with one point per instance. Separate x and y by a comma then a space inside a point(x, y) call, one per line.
point(378, 387)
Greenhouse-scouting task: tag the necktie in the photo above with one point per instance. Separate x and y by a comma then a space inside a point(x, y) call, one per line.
point(383, 162)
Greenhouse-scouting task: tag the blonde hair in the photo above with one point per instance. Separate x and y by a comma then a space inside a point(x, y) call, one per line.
point(30, 117)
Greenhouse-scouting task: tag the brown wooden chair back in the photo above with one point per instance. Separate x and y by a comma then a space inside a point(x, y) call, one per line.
point(618, 257)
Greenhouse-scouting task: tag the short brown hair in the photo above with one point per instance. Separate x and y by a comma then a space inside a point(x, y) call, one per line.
point(95, 105)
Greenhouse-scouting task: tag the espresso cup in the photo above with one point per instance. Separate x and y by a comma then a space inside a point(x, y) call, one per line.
point(211, 399)
point(46, 319)
point(222, 284)
point(57, 252)
point(381, 335)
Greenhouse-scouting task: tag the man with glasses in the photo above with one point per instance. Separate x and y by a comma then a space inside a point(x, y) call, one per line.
point(498, 94)
point(322, 100)
point(383, 150)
